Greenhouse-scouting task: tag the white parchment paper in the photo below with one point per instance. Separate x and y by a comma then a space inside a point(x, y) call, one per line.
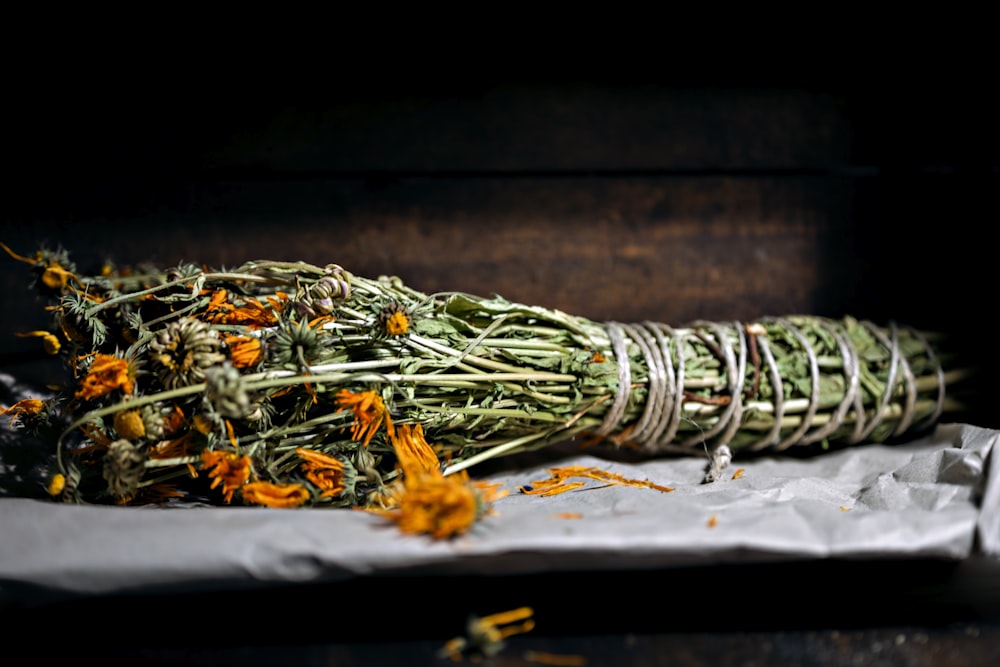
point(937, 497)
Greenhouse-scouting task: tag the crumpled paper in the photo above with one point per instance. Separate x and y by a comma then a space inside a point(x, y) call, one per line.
point(934, 497)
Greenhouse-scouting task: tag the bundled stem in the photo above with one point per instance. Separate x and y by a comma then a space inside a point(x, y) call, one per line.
point(272, 359)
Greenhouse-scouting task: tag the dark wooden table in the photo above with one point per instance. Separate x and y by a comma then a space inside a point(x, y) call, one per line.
point(797, 613)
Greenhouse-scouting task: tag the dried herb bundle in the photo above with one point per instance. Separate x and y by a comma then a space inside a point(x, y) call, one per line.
point(287, 384)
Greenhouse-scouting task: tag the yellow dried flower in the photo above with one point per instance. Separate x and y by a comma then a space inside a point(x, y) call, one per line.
point(129, 424)
point(50, 343)
point(54, 275)
point(57, 484)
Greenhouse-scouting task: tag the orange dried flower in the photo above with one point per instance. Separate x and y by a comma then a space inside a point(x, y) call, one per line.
point(106, 373)
point(244, 351)
point(284, 496)
point(326, 472)
point(557, 483)
point(173, 448)
point(26, 406)
point(427, 501)
point(397, 324)
point(484, 637)
point(157, 494)
point(369, 413)
point(433, 504)
point(251, 313)
point(228, 469)
point(415, 456)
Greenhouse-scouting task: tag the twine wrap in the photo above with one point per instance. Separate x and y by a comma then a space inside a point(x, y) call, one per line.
point(737, 346)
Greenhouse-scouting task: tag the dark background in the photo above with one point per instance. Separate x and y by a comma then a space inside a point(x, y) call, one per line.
point(866, 188)
point(611, 196)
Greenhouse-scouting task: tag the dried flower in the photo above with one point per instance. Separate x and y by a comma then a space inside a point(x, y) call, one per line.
point(124, 465)
point(369, 413)
point(427, 501)
point(285, 496)
point(228, 469)
point(153, 422)
point(244, 351)
point(415, 456)
point(106, 374)
point(22, 408)
point(394, 319)
point(129, 424)
point(183, 350)
point(557, 483)
point(157, 494)
point(295, 343)
point(329, 473)
point(52, 265)
point(484, 637)
point(439, 506)
point(250, 312)
point(225, 391)
point(49, 341)
point(56, 484)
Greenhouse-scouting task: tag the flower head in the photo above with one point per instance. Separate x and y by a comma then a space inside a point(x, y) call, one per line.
point(229, 469)
point(23, 408)
point(52, 265)
point(275, 495)
point(413, 453)
point(56, 484)
point(427, 501)
point(244, 351)
point(106, 374)
point(184, 350)
point(129, 424)
point(394, 319)
point(369, 413)
point(124, 465)
point(250, 312)
point(328, 473)
point(50, 343)
point(484, 636)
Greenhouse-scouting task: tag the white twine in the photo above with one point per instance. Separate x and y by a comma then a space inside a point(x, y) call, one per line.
point(656, 428)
